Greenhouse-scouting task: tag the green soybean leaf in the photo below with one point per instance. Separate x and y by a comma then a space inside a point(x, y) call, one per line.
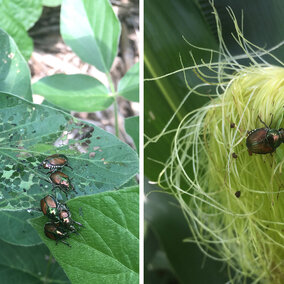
point(19, 34)
point(92, 30)
point(30, 132)
point(14, 70)
point(131, 125)
point(106, 249)
point(74, 92)
point(31, 265)
point(128, 86)
point(16, 17)
point(51, 3)
point(25, 13)
point(20, 232)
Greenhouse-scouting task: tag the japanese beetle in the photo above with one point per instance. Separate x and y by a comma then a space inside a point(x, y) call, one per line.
point(55, 232)
point(49, 207)
point(54, 162)
point(67, 222)
point(61, 180)
point(264, 140)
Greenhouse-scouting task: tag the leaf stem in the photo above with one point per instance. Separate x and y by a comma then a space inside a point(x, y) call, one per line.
point(111, 85)
point(116, 117)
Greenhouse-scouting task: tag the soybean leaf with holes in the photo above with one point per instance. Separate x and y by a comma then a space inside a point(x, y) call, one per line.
point(74, 92)
point(31, 265)
point(92, 30)
point(131, 125)
point(128, 86)
point(30, 132)
point(16, 17)
point(14, 70)
point(19, 232)
point(106, 249)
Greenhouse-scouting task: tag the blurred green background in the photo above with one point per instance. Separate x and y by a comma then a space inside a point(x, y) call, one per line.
point(167, 258)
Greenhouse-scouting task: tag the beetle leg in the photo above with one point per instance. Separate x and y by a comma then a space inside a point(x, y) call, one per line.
point(263, 122)
point(72, 229)
point(54, 186)
point(73, 188)
point(38, 167)
point(69, 167)
point(78, 223)
point(66, 243)
point(64, 190)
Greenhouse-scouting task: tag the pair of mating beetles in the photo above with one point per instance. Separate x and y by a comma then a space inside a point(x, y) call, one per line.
point(61, 222)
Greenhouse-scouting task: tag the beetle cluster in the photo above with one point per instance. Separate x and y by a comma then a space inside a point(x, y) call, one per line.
point(61, 224)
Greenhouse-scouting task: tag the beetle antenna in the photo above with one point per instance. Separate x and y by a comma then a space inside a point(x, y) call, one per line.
point(271, 120)
point(263, 122)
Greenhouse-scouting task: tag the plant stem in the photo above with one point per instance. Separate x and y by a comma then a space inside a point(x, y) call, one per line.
point(111, 85)
point(116, 117)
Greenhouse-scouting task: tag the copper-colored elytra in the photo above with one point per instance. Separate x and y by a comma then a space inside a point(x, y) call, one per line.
point(264, 140)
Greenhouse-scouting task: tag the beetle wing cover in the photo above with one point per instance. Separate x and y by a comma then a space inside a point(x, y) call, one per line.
point(257, 142)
